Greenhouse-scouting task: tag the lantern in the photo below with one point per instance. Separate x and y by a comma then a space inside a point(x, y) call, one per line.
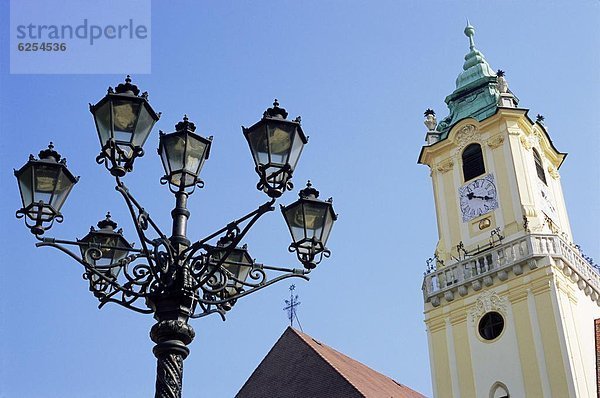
point(276, 144)
point(183, 154)
point(123, 121)
point(102, 249)
point(238, 264)
point(310, 221)
point(44, 184)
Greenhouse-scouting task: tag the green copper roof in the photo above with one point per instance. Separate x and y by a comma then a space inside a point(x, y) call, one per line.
point(476, 94)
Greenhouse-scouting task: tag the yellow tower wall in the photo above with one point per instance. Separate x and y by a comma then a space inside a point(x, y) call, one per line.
point(535, 278)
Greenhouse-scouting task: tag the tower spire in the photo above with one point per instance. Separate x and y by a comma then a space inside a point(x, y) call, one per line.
point(477, 84)
point(470, 32)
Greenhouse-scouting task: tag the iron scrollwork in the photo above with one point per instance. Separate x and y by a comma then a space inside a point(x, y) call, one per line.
point(154, 268)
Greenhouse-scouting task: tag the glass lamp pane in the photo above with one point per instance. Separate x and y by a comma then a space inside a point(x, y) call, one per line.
point(44, 182)
point(280, 142)
point(63, 187)
point(233, 264)
point(125, 116)
point(314, 219)
point(102, 118)
point(143, 127)
point(294, 216)
point(259, 145)
point(164, 157)
point(194, 155)
point(177, 177)
point(107, 252)
point(175, 147)
point(26, 186)
point(120, 253)
point(328, 225)
point(296, 151)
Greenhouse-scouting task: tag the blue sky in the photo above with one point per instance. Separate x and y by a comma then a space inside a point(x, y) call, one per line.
point(360, 73)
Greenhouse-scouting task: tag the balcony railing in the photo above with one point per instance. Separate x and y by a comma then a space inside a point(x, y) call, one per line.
point(498, 260)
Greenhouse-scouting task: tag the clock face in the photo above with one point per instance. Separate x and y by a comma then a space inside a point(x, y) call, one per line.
point(478, 197)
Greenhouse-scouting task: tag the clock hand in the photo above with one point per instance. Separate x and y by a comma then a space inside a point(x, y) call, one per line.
point(471, 195)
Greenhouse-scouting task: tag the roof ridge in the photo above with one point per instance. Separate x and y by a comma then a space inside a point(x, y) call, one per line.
point(301, 335)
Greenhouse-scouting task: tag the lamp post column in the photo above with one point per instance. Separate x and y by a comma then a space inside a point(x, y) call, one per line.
point(171, 338)
point(180, 216)
point(173, 307)
point(172, 333)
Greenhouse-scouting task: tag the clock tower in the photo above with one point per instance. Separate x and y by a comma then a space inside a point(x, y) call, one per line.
point(510, 302)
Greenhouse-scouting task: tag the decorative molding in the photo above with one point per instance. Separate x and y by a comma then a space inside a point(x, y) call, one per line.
point(525, 142)
point(495, 141)
point(517, 294)
point(529, 210)
point(465, 135)
point(513, 131)
point(435, 324)
point(486, 302)
point(553, 172)
point(445, 165)
point(172, 329)
point(457, 317)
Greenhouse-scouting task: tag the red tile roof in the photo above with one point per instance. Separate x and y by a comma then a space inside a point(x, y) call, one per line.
point(299, 366)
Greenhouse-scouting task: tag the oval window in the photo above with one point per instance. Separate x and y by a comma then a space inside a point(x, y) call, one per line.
point(491, 325)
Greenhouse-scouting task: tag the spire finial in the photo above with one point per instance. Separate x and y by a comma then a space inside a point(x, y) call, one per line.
point(290, 307)
point(107, 223)
point(127, 87)
point(470, 32)
point(276, 111)
point(309, 192)
point(50, 153)
point(185, 125)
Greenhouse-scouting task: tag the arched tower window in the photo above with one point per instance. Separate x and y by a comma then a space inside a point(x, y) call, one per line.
point(538, 166)
point(472, 162)
point(499, 390)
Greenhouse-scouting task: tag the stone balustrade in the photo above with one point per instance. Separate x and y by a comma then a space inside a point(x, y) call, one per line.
point(496, 262)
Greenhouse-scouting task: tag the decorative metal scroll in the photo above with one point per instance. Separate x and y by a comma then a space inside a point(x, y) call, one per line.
point(156, 266)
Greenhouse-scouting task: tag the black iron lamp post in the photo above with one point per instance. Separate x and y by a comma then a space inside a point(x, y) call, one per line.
point(172, 277)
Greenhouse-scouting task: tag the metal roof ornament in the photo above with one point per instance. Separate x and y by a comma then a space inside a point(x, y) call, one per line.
point(430, 119)
point(502, 83)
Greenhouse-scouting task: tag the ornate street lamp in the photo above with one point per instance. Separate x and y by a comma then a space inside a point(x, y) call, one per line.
point(44, 184)
point(103, 249)
point(309, 220)
point(171, 277)
point(123, 120)
point(276, 144)
point(183, 154)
